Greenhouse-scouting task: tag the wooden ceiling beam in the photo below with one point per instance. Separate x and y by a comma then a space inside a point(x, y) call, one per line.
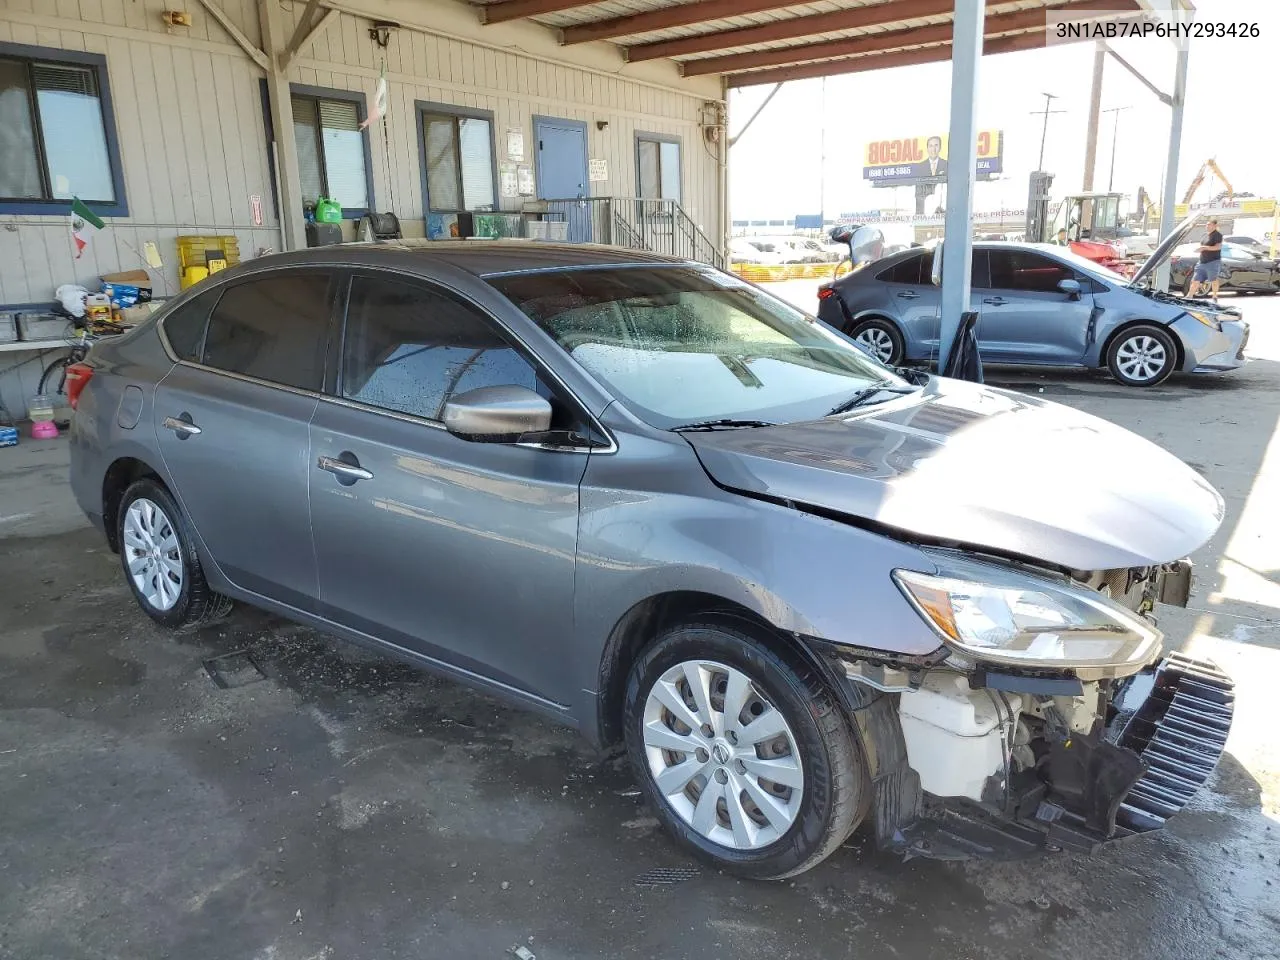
point(854, 19)
point(874, 43)
point(880, 61)
point(700, 11)
point(505, 10)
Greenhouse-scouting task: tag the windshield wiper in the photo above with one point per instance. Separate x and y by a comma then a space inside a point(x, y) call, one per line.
point(866, 393)
point(723, 424)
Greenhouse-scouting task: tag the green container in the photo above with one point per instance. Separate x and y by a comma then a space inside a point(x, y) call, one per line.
point(328, 210)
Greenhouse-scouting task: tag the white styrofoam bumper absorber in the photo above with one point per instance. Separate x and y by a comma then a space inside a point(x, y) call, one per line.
point(954, 735)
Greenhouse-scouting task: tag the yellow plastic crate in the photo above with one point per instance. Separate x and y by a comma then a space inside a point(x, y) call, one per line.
point(198, 256)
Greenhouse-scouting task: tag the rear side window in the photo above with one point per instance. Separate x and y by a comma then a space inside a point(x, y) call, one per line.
point(184, 327)
point(909, 270)
point(409, 347)
point(274, 329)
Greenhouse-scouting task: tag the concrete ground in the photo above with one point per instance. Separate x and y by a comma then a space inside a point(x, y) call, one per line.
point(330, 804)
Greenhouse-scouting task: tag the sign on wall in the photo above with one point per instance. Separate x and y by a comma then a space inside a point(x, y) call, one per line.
point(515, 144)
point(907, 160)
point(597, 170)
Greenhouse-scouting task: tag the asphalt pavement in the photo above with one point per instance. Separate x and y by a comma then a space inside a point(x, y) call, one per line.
point(256, 790)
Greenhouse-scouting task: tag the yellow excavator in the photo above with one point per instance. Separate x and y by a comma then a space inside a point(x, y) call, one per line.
point(1198, 179)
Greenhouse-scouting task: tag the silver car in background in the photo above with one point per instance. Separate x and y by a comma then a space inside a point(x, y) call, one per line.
point(1042, 305)
point(653, 502)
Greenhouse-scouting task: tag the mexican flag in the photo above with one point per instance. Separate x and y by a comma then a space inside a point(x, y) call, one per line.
point(84, 224)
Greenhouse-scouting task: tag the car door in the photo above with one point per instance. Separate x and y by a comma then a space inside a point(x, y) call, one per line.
point(1024, 317)
point(927, 320)
point(1244, 270)
point(231, 421)
point(907, 295)
point(461, 551)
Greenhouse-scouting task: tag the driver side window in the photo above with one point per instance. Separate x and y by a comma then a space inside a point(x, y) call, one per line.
point(1027, 272)
point(409, 347)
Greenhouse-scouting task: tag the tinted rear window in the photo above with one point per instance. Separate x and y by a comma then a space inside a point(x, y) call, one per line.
point(273, 329)
point(911, 270)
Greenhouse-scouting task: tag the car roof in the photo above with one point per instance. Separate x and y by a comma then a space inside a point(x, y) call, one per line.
point(479, 257)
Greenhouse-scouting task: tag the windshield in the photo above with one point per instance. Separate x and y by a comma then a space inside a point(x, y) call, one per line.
point(681, 344)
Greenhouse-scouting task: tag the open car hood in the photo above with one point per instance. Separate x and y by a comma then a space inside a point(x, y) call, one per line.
point(1163, 250)
point(961, 463)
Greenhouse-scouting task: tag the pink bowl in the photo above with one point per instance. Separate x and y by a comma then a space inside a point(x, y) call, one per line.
point(44, 430)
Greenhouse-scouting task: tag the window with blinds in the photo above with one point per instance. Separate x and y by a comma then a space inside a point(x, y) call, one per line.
point(53, 135)
point(459, 161)
point(331, 157)
point(658, 163)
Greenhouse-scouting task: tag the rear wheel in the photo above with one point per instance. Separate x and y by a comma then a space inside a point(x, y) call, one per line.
point(1142, 356)
point(160, 562)
point(743, 753)
point(881, 339)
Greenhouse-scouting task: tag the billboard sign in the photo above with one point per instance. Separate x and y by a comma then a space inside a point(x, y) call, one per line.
point(908, 160)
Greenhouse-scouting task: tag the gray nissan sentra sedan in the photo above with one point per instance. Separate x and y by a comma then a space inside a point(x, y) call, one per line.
point(655, 503)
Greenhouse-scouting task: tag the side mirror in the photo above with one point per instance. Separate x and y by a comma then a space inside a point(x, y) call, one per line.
point(936, 276)
point(1070, 287)
point(497, 414)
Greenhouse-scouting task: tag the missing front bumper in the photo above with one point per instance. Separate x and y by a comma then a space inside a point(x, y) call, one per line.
point(1168, 732)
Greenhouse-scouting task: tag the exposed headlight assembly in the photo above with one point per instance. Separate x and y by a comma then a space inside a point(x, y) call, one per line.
point(1036, 626)
point(1205, 319)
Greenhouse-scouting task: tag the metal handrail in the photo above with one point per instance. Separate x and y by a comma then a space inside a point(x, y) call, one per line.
point(656, 225)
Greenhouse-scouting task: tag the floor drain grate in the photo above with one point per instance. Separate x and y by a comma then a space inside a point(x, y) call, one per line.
point(234, 669)
point(665, 876)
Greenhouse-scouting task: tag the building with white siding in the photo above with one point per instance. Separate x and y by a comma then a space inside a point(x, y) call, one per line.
point(175, 118)
point(166, 131)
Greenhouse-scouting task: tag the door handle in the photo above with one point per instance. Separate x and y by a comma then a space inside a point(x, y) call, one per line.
point(909, 295)
point(996, 301)
point(182, 427)
point(345, 472)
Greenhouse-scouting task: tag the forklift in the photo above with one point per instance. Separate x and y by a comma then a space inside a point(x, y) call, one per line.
point(1092, 222)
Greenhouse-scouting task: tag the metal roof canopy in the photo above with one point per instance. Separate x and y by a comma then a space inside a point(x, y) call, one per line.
point(752, 42)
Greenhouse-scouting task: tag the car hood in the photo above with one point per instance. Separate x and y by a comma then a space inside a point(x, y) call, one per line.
point(958, 462)
point(1163, 250)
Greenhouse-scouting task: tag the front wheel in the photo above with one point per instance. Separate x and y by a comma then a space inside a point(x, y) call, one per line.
point(743, 753)
point(1142, 356)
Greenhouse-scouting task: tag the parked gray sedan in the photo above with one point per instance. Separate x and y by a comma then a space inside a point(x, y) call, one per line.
point(653, 502)
point(1040, 304)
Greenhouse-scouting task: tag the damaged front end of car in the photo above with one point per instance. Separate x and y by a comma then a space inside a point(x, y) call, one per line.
point(1046, 720)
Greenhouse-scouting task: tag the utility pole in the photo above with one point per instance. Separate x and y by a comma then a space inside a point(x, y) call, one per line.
point(1115, 131)
point(1044, 131)
point(1095, 104)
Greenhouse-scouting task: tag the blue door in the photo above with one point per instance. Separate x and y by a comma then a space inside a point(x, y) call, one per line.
point(562, 173)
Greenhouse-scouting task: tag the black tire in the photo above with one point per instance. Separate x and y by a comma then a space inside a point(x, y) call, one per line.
point(1133, 338)
point(53, 382)
point(195, 603)
point(880, 330)
point(836, 787)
